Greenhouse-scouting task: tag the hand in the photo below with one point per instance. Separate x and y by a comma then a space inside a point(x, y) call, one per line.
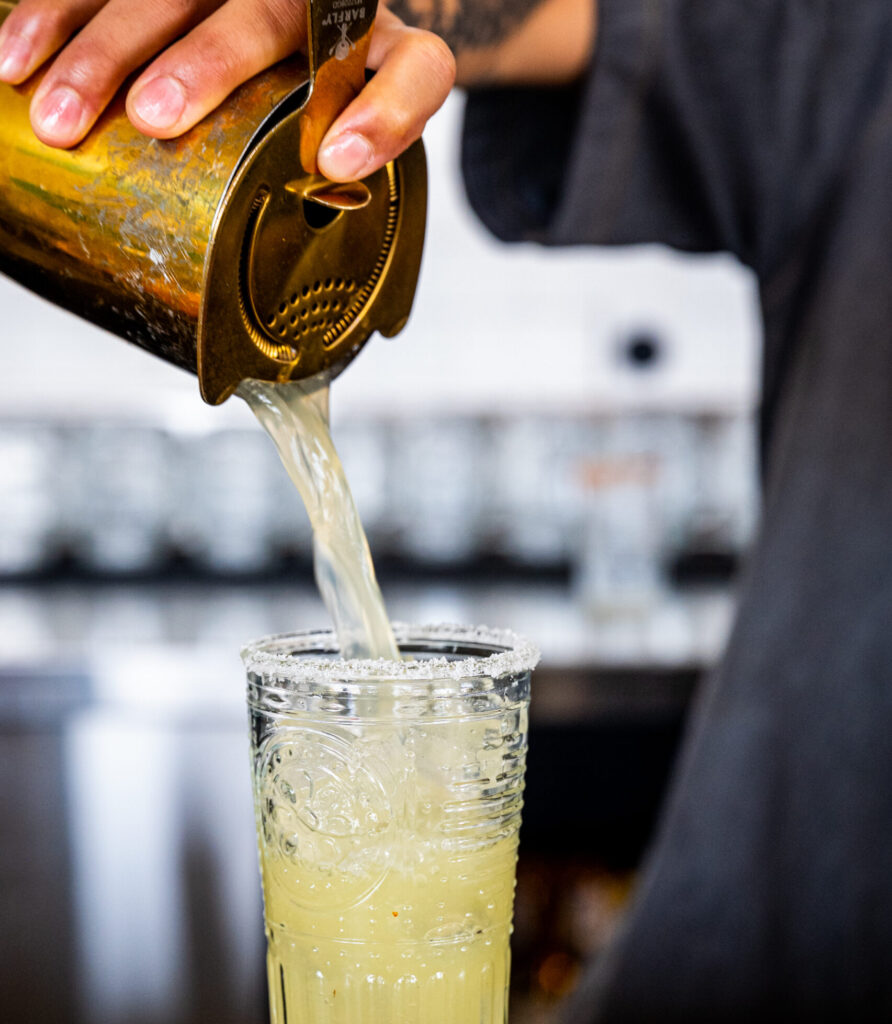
point(202, 50)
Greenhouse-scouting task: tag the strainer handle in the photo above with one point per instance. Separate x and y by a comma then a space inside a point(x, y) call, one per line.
point(339, 33)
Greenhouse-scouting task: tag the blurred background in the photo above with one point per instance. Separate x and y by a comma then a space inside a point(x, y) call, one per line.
point(601, 506)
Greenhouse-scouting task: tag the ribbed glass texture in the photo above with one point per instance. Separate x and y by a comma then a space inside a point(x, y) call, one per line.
point(388, 799)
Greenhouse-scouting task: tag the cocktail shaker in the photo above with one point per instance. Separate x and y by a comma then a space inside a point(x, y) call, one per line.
point(222, 251)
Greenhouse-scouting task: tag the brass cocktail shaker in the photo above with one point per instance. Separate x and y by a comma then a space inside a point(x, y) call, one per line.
point(222, 251)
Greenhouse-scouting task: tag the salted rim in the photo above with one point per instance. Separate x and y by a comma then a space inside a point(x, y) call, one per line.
point(518, 656)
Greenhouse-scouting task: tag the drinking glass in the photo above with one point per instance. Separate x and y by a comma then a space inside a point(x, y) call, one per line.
point(388, 799)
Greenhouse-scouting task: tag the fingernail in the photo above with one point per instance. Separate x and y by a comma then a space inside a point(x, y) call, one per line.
point(15, 57)
point(60, 114)
point(160, 103)
point(347, 157)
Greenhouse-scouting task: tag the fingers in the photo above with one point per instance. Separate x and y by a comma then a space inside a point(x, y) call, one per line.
point(34, 30)
point(85, 76)
point(219, 46)
point(226, 45)
point(416, 71)
point(197, 73)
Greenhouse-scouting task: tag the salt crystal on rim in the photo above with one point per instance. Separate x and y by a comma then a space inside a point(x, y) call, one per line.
point(518, 656)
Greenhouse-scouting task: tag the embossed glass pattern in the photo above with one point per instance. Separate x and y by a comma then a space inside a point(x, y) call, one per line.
point(388, 799)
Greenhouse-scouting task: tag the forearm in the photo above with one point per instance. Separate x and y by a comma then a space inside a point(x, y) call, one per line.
point(509, 41)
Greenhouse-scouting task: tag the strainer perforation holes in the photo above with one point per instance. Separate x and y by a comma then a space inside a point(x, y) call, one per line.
point(364, 293)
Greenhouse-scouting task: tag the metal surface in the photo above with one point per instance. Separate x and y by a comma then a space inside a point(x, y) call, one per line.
point(338, 45)
point(294, 287)
point(214, 251)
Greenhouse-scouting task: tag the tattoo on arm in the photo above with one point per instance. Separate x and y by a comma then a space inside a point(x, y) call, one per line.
point(466, 24)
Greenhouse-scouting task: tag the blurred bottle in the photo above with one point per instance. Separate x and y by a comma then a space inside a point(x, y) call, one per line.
point(619, 571)
point(674, 439)
point(30, 506)
point(119, 486)
point(536, 499)
point(236, 507)
point(438, 483)
point(723, 513)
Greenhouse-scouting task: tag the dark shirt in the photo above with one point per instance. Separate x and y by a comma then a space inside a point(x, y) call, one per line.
point(762, 128)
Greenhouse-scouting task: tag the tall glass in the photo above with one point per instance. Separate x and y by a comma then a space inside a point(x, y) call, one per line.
point(388, 799)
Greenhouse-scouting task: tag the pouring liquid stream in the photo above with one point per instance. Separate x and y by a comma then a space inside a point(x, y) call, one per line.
point(296, 416)
point(429, 939)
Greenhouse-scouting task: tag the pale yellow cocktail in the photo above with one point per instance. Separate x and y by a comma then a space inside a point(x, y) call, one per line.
point(388, 806)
